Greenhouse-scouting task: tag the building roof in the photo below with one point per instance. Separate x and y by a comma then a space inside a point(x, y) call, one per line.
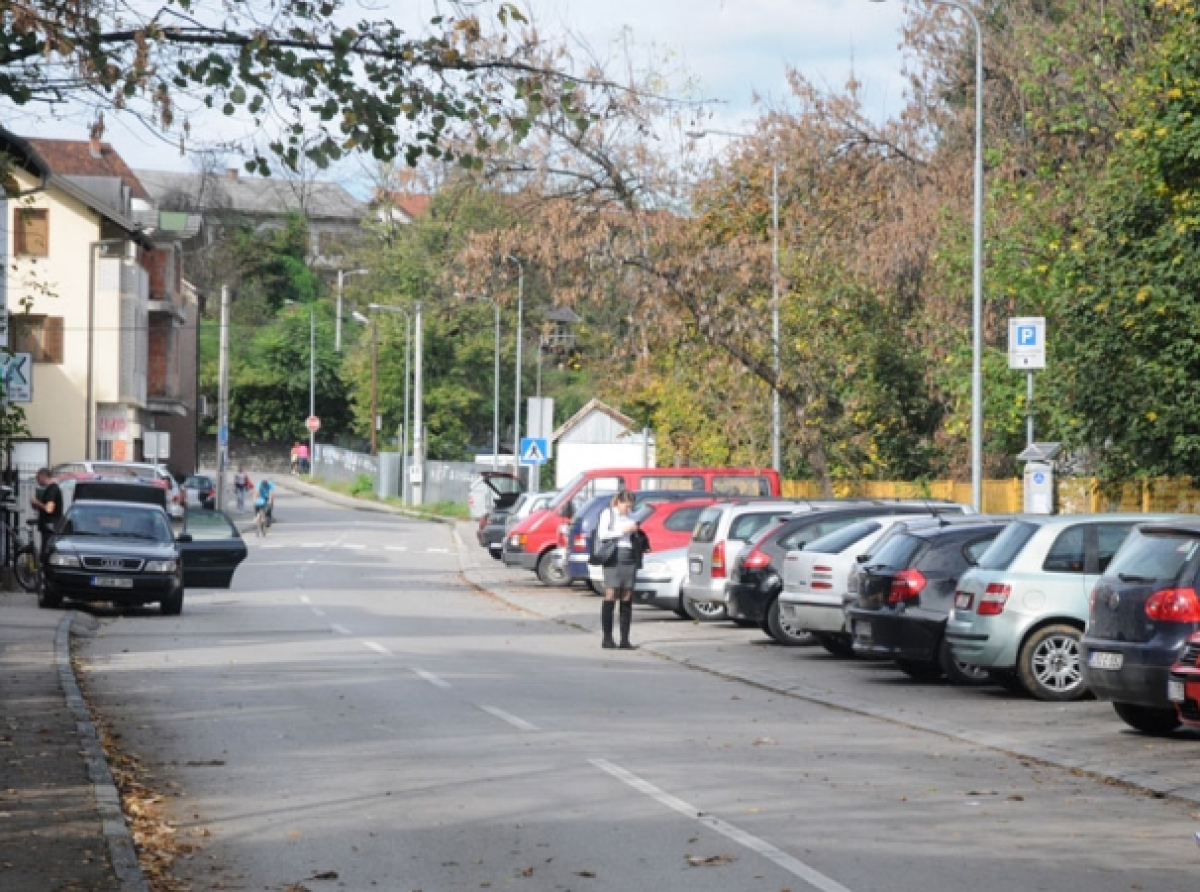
point(252, 196)
point(413, 205)
point(594, 405)
point(78, 158)
point(565, 315)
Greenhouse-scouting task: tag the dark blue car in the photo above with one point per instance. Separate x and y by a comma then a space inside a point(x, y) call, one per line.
point(1143, 610)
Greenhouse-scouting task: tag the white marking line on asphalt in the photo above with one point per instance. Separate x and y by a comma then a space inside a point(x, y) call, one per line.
point(378, 648)
point(313, 545)
point(341, 630)
point(397, 548)
point(355, 545)
point(304, 599)
point(437, 550)
point(794, 866)
point(318, 611)
point(431, 678)
point(518, 723)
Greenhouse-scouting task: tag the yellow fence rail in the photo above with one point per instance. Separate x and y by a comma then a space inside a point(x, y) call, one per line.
point(1073, 495)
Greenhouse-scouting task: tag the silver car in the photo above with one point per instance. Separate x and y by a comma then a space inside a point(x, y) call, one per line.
point(658, 582)
point(1020, 613)
point(717, 540)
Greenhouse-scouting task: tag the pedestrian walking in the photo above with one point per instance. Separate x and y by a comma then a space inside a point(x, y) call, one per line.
point(623, 543)
point(241, 483)
point(48, 501)
point(294, 461)
point(302, 454)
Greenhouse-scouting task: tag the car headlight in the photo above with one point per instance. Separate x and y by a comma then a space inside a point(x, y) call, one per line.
point(58, 559)
point(161, 566)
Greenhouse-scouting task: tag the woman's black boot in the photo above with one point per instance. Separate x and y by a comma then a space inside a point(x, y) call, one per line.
point(606, 624)
point(626, 622)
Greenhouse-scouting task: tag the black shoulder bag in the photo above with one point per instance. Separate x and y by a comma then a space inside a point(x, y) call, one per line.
point(603, 550)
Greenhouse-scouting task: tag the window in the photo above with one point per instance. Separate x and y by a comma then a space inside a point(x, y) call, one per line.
point(31, 232)
point(741, 486)
point(683, 519)
point(840, 540)
point(747, 525)
point(1109, 538)
point(1067, 553)
point(39, 336)
point(673, 483)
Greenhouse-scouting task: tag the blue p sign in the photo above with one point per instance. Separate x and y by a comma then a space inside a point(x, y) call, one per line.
point(1027, 335)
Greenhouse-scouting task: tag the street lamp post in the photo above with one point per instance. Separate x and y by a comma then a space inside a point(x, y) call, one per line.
point(343, 274)
point(776, 365)
point(517, 384)
point(976, 266)
point(407, 377)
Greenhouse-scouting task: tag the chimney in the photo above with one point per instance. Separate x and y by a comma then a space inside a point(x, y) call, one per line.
point(231, 174)
point(94, 146)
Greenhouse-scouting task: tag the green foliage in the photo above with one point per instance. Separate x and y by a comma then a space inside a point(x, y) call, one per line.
point(363, 485)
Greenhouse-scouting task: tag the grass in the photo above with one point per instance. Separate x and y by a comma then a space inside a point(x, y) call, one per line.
point(362, 488)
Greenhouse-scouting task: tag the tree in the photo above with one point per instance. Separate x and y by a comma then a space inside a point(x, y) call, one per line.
point(317, 83)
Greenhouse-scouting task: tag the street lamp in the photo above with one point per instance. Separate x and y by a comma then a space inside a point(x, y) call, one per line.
point(776, 365)
point(404, 487)
point(517, 386)
point(343, 274)
point(976, 266)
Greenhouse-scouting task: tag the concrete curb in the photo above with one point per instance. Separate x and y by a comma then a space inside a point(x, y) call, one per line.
point(108, 800)
point(1142, 781)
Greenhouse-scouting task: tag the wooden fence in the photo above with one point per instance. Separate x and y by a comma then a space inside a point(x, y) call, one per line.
point(1073, 495)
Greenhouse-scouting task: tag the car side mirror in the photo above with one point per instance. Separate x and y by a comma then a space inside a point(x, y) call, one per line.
point(183, 538)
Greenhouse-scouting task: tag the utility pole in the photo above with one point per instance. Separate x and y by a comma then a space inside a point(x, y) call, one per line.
point(517, 385)
point(374, 387)
point(418, 471)
point(223, 400)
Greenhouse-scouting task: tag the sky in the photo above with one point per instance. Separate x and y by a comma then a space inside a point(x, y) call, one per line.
point(733, 49)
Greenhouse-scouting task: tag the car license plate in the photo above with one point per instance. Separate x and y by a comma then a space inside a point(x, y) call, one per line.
point(862, 630)
point(112, 582)
point(1101, 659)
point(696, 566)
point(1175, 690)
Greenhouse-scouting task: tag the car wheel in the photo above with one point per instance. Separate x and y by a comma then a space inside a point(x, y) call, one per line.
point(919, 670)
point(47, 599)
point(551, 572)
point(1148, 719)
point(706, 612)
point(838, 644)
point(172, 605)
point(1048, 664)
point(784, 630)
point(961, 673)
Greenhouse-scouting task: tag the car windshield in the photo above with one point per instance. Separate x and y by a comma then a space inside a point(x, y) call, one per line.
point(898, 552)
point(1004, 550)
point(119, 521)
point(1155, 556)
point(198, 483)
point(563, 494)
point(839, 540)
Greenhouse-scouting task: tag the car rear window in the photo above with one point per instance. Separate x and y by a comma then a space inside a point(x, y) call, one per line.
point(706, 526)
point(899, 551)
point(839, 540)
point(683, 519)
point(1067, 554)
point(1156, 556)
point(746, 525)
point(1004, 550)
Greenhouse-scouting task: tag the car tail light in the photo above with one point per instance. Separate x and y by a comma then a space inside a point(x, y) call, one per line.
point(906, 586)
point(823, 582)
point(1174, 605)
point(717, 564)
point(580, 543)
point(993, 599)
point(564, 532)
point(757, 560)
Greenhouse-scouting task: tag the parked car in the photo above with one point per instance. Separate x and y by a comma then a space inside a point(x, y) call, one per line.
point(752, 596)
point(531, 542)
point(491, 490)
point(1020, 613)
point(1143, 610)
point(200, 490)
point(499, 521)
point(659, 581)
point(666, 517)
point(122, 552)
point(145, 470)
point(906, 592)
point(817, 578)
point(1183, 686)
point(719, 536)
point(121, 488)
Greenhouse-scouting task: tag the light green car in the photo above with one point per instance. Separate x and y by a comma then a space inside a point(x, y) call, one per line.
point(1021, 612)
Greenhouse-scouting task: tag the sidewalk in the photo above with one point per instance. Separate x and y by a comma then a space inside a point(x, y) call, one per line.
point(61, 827)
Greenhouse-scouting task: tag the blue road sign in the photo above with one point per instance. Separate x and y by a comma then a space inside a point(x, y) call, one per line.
point(533, 450)
point(1027, 335)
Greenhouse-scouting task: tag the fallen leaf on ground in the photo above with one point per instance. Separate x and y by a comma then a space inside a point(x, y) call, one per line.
point(710, 861)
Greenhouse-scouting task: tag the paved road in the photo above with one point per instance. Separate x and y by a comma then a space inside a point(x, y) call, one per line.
point(354, 708)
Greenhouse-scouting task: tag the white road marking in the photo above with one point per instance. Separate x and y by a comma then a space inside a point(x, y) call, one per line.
point(431, 678)
point(378, 648)
point(792, 865)
point(318, 611)
point(313, 545)
point(397, 548)
point(341, 630)
point(355, 545)
point(437, 550)
point(304, 599)
point(518, 723)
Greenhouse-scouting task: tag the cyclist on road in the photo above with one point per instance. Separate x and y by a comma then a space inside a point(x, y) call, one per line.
point(264, 499)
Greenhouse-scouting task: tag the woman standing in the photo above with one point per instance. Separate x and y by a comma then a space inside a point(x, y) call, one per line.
point(616, 525)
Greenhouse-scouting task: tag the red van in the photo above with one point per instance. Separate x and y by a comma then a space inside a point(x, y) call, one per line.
point(532, 544)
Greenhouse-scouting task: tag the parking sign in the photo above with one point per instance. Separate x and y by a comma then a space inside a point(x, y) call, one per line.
point(1027, 342)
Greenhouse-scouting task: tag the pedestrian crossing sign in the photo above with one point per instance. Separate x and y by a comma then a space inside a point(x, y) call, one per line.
point(534, 451)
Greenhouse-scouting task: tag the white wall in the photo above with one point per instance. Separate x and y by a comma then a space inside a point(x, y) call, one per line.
point(576, 457)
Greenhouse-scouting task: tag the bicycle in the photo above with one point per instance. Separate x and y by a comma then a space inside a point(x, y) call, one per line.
point(262, 519)
point(24, 556)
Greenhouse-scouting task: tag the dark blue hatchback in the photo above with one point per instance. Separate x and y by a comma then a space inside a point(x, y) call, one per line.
point(1143, 609)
